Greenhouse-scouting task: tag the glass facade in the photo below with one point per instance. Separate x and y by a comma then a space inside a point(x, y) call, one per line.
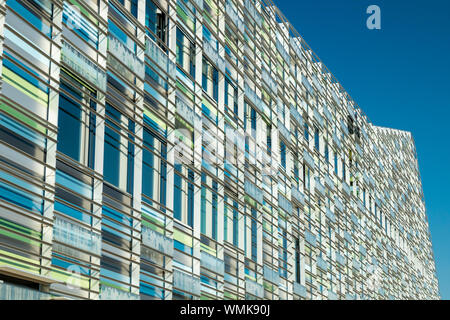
point(195, 149)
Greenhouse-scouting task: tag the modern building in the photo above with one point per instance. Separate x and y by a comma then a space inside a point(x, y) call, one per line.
point(194, 149)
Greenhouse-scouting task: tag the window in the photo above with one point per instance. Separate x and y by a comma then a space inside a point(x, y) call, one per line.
point(327, 156)
point(306, 177)
point(316, 139)
point(254, 230)
point(231, 220)
point(183, 197)
point(231, 103)
point(296, 172)
point(209, 207)
point(156, 22)
point(154, 168)
point(335, 163)
point(253, 121)
point(343, 170)
point(350, 124)
point(235, 224)
point(215, 197)
point(306, 132)
point(350, 157)
point(177, 194)
point(185, 53)
point(69, 124)
point(282, 253)
point(297, 261)
point(269, 138)
point(283, 154)
point(210, 80)
point(76, 121)
point(119, 150)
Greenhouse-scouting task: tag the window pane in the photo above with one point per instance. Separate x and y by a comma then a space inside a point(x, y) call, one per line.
point(69, 127)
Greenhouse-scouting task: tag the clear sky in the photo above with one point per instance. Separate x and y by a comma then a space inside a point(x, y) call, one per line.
point(400, 77)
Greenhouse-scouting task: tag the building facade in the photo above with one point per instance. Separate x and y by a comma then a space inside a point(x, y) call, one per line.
point(194, 149)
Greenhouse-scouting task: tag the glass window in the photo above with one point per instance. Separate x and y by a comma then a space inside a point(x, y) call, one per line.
point(253, 120)
point(185, 53)
point(283, 154)
point(297, 260)
point(231, 103)
point(154, 168)
point(183, 198)
point(76, 125)
point(282, 253)
point(209, 198)
point(306, 177)
point(214, 209)
point(269, 138)
point(231, 220)
point(316, 139)
point(254, 230)
point(119, 151)
point(306, 132)
point(156, 22)
point(296, 171)
point(235, 224)
point(336, 163)
point(69, 124)
point(210, 79)
point(343, 170)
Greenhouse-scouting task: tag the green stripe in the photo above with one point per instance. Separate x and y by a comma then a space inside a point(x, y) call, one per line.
point(15, 257)
point(230, 295)
point(24, 86)
point(182, 237)
point(153, 227)
point(188, 142)
point(109, 284)
point(84, 11)
point(22, 117)
point(185, 90)
point(159, 122)
point(185, 18)
point(152, 219)
point(20, 228)
point(209, 106)
point(19, 237)
point(250, 277)
point(210, 250)
point(186, 124)
point(64, 276)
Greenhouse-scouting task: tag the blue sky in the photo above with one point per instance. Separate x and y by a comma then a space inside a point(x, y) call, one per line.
point(400, 77)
